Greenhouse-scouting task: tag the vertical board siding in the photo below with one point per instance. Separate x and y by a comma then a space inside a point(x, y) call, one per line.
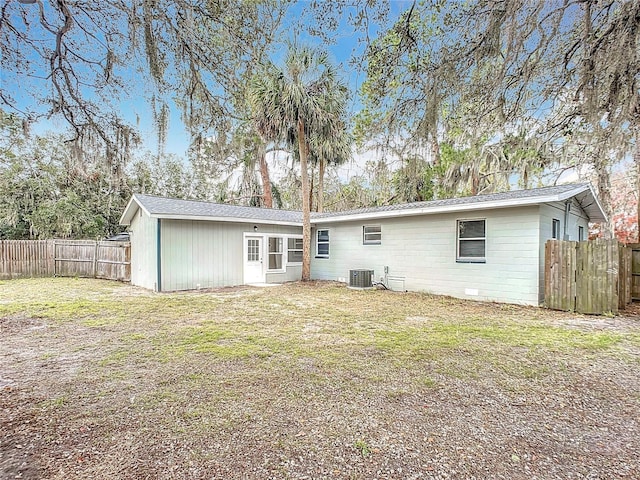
point(144, 257)
point(591, 277)
point(65, 258)
point(203, 254)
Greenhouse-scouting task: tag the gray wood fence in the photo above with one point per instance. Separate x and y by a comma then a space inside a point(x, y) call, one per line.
point(65, 258)
point(591, 277)
point(635, 271)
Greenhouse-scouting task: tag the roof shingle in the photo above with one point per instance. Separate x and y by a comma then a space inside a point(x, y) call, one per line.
point(174, 208)
point(192, 208)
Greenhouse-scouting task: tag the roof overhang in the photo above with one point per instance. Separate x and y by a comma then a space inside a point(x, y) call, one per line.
point(134, 204)
point(588, 201)
point(583, 194)
point(130, 210)
point(225, 219)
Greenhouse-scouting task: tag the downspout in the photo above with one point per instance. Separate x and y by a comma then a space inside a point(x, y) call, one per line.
point(158, 260)
point(567, 209)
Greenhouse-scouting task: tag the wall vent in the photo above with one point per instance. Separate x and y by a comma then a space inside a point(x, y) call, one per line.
point(361, 278)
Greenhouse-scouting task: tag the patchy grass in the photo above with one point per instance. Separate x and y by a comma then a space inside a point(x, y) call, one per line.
point(105, 380)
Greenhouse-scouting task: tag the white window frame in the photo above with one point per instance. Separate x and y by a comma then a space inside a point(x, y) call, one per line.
point(327, 242)
point(280, 253)
point(460, 259)
point(365, 234)
point(580, 233)
point(289, 261)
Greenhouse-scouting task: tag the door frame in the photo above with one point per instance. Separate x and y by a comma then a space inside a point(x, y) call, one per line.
point(245, 250)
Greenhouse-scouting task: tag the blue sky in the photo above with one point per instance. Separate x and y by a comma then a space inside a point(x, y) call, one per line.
point(135, 108)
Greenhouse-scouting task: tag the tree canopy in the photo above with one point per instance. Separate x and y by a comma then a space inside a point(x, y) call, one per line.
point(451, 98)
point(299, 104)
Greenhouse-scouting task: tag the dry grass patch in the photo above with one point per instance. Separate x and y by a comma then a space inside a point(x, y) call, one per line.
point(103, 380)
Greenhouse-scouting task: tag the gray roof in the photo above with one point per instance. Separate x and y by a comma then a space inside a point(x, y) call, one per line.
point(161, 207)
point(173, 208)
point(512, 195)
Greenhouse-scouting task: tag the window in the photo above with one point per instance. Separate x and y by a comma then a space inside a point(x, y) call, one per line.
point(471, 241)
point(275, 253)
point(322, 243)
point(372, 235)
point(294, 250)
point(555, 229)
point(253, 250)
point(580, 234)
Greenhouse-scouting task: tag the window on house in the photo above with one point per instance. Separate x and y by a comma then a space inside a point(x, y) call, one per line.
point(253, 250)
point(471, 241)
point(555, 229)
point(294, 250)
point(580, 233)
point(372, 234)
point(322, 243)
point(275, 253)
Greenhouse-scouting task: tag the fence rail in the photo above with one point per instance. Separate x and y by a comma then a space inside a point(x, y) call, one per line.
point(65, 258)
point(591, 277)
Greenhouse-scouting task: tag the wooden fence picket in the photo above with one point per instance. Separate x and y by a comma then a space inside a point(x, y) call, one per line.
point(65, 258)
point(592, 277)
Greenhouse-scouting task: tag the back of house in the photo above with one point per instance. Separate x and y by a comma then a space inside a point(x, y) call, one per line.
point(485, 247)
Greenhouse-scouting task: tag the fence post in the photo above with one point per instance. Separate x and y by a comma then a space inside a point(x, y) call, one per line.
point(95, 260)
point(7, 260)
point(60, 258)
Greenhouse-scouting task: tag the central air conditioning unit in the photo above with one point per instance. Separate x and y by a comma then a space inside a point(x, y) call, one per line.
point(360, 278)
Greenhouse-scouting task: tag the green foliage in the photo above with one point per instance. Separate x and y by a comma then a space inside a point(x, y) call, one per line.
point(418, 180)
point(50, 190)
point(520, 89)
point(362, 447)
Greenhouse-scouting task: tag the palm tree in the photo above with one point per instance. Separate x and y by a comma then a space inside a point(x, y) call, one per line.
point(329, 145)
point(291, 103)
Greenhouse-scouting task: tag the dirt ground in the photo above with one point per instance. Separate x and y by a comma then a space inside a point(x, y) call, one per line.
point(103, 380)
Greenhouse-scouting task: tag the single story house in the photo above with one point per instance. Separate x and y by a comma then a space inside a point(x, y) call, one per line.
point(485, 247)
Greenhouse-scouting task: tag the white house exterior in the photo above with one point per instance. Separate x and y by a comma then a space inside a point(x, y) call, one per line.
point(188, 245)
point(487, 247)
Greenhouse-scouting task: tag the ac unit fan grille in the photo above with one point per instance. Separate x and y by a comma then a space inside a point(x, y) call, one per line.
point(360, 278)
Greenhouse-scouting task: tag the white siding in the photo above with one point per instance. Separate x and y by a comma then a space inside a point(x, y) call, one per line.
point(209, 254)
point(143, 231)
point(421, 250)
point(293, 273)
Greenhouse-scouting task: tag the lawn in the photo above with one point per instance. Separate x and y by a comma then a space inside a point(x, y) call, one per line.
point(103, 380)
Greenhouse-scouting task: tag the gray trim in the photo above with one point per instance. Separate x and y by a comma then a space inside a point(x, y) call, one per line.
point(159, 257)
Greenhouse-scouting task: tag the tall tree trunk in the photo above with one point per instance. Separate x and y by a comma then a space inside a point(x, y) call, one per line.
point(604, 193)
point(435, 150)
point(475, 182)
point(311, 186)
point(267, 195)
point(321, 169)
point(306, 206)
